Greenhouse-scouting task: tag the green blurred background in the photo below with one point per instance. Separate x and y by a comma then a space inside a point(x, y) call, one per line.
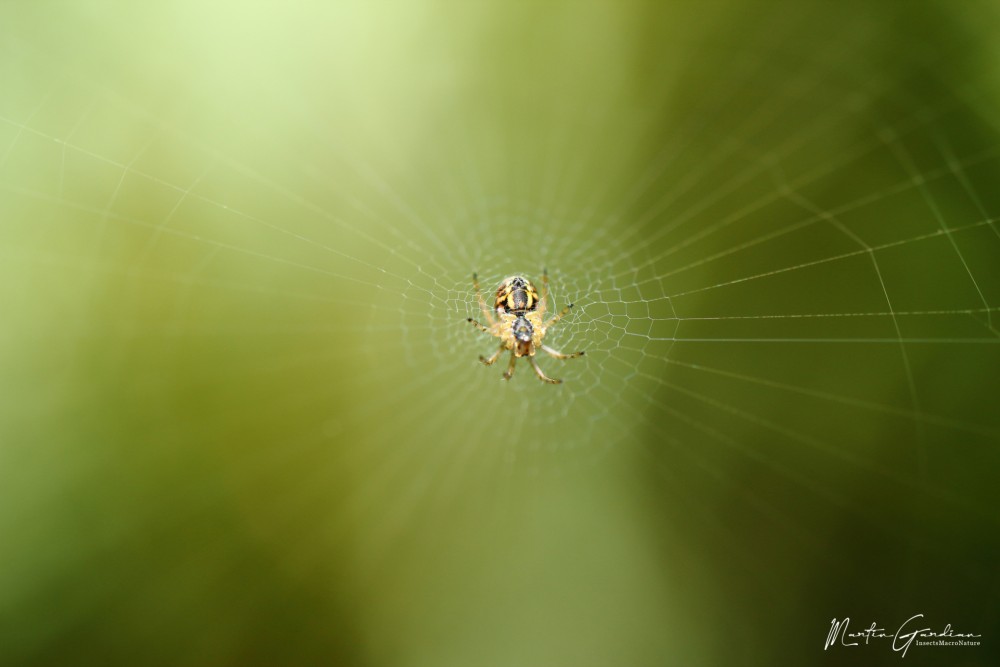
point(241, 416)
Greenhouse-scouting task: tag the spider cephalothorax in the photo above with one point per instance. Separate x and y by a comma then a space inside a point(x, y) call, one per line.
point(519, 322)
point(523, 333)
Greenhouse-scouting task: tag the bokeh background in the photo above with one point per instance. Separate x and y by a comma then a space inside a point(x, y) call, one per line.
point(242, 419)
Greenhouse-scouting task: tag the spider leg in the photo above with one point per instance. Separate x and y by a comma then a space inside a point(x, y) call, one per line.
point(510, 367)
point(542, 376)
point(493, 357)
point(480, 326)
point(543, 298)
point(559, 316)
point(561, 355)
point(482, 302)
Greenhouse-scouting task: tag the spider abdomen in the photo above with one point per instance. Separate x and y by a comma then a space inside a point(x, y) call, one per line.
point(516, 295)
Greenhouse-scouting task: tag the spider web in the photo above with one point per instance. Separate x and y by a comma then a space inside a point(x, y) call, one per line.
point(773, 254)
point(743, 244)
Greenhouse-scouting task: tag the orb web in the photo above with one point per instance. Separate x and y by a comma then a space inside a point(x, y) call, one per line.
point(717, 244)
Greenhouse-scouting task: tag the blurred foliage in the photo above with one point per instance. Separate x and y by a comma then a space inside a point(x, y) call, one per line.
point(239, 425)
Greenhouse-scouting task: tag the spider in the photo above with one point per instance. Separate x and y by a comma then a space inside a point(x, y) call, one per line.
point(519, 323)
